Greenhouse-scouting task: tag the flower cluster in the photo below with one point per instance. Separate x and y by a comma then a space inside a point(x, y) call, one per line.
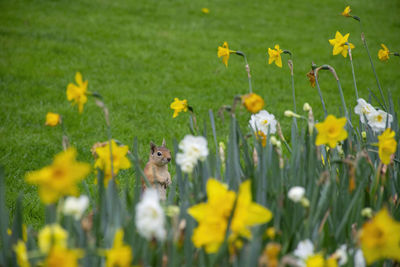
point(377, 119)
point(194, 148)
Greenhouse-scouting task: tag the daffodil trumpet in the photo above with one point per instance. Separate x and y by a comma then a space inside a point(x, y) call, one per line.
point(247, 66)
point(352, 68)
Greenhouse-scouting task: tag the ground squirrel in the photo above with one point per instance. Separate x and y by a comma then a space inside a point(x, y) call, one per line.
point(156, 169)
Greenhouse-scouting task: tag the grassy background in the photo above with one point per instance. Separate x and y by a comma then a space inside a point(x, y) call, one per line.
point(141, 54)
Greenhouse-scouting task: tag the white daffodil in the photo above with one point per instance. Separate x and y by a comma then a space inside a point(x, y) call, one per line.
point(363, 109)
point(377, 120)
point(150, 217)
point(193, 148)
point(76, 206)
point(296, 193)
point(359, 260)
point(341, 255)
point(263, 121)
point(304, 249)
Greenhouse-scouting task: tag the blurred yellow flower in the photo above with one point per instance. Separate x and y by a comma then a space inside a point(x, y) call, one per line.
point(387, 145)
point(119, 255)
point(224, 51)
point(339, 44)
point(60, 178)
point(63, 257)
point(253, 102)
point(270, 232)
point(346, 12)
point(77, 93)
point(205, 10)
point(271, 252)
point(52, 119)
point(261, 136)
point(316, 260)
point(248, 213)
point(275, 56)
point(383, 54)
point(179, 106)
point(22, 255)
point(52, 236)
point(380, 238)
point(212, 216)
point(119, 159)
point(311, 78)
point(331, 131)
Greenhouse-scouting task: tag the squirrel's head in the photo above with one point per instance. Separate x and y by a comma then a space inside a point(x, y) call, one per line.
point(160, 155)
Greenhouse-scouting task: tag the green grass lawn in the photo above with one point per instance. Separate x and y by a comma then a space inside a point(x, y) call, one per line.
point(141, 54)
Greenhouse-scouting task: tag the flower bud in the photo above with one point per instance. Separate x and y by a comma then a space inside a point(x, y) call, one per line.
point(289, 113)
point(274, 141)
point(364, 135)
point(305, 202)
point(306, 107)
point(366, 212)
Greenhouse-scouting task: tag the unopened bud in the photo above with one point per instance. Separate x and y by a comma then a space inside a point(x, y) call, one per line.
point(366, 212)
point(364, 135)
point(305, 202)
point(274, 141)
point(289, 113)
point(306, 107)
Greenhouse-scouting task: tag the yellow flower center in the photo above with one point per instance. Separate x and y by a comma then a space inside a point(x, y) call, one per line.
point(265, 122)
point(58, 173)
point(379, 118)
point(333, 131)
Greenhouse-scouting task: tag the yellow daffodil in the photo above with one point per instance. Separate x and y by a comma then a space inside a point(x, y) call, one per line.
point(275, 56)
point(253, 102)
point(52, 119)
point(22, 255)
point(248, 213)
point(119, 255)
point(346, 12)
point(316, 260)
point(331, 131)
point(205, 10)
point(380, 238)
point(60, 178)
point(119, 159)
point(387, 145)
point(63, 257)
point(224, 52)
point(179, 106)
point(339, 44)
point(383, 54)
point(77, 93)
point(212, 217)
point(52, 236)
point(311, 78)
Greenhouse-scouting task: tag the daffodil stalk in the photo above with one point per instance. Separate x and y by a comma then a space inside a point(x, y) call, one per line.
point(240, 53)
point(352, 69)
point(100, 103)
point(370, 60)
point(290, 64)
point(332, 70)
point(314, 68)
point(65, 139)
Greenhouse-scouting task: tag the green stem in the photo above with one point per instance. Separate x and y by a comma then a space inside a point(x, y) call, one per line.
point(319, 92)
point(247, 66)
point(372, 65)
point(352, 69)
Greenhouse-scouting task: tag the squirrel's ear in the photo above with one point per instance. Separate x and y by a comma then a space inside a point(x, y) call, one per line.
point(163, 142)
point(152, 147)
